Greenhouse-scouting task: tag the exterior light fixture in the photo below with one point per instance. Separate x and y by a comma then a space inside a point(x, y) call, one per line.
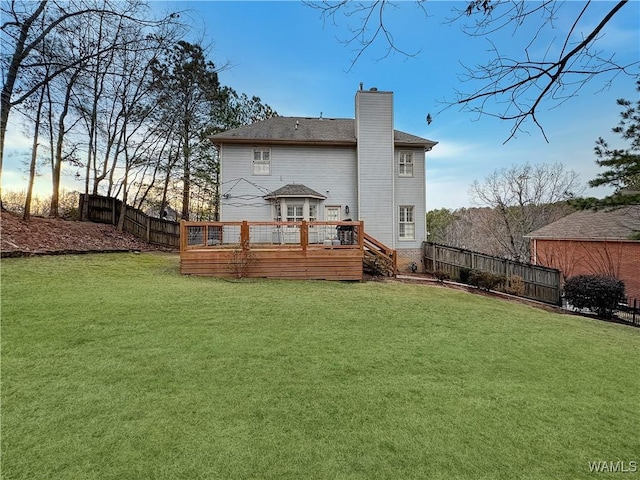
point(346, 209)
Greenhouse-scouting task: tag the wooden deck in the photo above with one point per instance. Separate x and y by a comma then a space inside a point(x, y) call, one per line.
point(288, 250)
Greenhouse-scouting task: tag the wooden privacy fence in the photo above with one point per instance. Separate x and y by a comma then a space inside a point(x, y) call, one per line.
point(540, 283)
point(156, 231)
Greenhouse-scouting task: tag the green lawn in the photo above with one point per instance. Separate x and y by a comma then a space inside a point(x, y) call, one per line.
point(116, 367)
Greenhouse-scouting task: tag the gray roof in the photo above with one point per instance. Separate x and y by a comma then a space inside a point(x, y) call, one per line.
point(605, 224)
point(295, 190)
point(315, 131)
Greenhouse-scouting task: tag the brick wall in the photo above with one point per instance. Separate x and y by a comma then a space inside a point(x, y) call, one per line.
point(408, 255)
point(617, 258)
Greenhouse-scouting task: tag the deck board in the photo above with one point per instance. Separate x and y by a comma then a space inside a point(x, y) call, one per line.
point(315, 263)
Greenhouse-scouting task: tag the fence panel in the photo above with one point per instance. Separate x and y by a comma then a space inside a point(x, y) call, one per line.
point(630, 313)
point(164, 232)
point(156, 231)
point(540, 283)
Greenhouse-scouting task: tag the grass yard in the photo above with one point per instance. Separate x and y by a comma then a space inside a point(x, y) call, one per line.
point(116, 367)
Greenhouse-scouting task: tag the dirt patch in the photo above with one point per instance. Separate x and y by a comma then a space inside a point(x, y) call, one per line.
point(42, 236)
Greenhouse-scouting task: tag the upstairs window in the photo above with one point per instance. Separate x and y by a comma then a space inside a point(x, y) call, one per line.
point(407, 225)
point(405, 164)
point(261, 161)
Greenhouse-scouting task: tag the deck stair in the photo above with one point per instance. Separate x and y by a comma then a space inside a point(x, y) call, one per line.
point(378, 258)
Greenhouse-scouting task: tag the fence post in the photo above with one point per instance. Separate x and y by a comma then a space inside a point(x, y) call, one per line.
point(434, 264)
point(244, 235)
point(148, 222)
point(113, 211)
point(81, 207)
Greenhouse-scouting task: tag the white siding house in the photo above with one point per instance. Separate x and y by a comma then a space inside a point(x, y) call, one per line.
point(294, 168)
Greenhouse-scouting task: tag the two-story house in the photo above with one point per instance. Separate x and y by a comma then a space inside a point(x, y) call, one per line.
point(330, 169)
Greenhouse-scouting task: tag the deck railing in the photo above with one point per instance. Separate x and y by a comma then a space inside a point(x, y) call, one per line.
point(282, 235)
point(380, 258)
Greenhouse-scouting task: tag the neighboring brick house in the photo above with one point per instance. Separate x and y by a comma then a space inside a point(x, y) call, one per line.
point(326, 169)
point(590, 242)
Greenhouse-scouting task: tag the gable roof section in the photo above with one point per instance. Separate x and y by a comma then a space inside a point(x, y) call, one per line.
point(308, 131)
point(295, 190)
point(606, 224)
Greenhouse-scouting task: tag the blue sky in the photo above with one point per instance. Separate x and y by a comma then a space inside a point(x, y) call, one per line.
point(284, 53)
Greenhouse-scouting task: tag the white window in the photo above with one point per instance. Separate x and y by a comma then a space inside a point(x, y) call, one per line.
point(313, 210)
point(295, 213)
point(261, 161)
point(405, 164)
point(406, 226)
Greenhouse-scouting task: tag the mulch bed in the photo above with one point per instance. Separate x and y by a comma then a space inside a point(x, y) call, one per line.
point(55, 236)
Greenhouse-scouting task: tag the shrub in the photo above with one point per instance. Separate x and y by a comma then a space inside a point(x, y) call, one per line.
point(598, 293)
point(464, 274)
point(485, 280)
point(515, 286)
point(441, 275)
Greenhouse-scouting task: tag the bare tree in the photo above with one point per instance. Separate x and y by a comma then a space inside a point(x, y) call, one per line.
point(523, 198)
point(26, 25)
point(34, 156)
point(508, 88)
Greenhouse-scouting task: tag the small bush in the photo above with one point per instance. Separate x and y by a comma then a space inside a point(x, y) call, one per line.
point(598, 293)
point(485, 280)
point(441, 275)
point(464, 274)
point(515, 286)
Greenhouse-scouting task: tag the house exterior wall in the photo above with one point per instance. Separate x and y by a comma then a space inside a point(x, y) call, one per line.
point(375, 154)
point(364, 177)
point(330, 171)
point(411, 191)
point(573, 257)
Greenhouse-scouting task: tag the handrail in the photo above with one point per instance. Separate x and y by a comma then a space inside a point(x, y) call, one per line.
point(243, 236)
point(191, 223)
point(383, 251)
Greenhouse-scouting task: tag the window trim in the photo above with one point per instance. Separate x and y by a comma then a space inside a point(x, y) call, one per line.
point(295, 217)
point(401, 163)
point(262, 161)
point(405, 222)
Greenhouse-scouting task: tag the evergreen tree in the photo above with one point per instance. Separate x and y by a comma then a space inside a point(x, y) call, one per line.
point(622, 164)
point(189, 89)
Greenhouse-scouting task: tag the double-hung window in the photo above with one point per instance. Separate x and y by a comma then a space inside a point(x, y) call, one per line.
point(313, 210)
point(261, 161)
point(405, 164)
point(407, 225)
point(295, 213)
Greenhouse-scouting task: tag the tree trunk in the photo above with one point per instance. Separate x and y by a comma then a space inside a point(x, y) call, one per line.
point(34, 157)
point(186, 192)
point(57, 164)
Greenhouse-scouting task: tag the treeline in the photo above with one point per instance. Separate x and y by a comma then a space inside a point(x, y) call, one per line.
point(484, 229)
point(114, 93)
point(511, 203)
